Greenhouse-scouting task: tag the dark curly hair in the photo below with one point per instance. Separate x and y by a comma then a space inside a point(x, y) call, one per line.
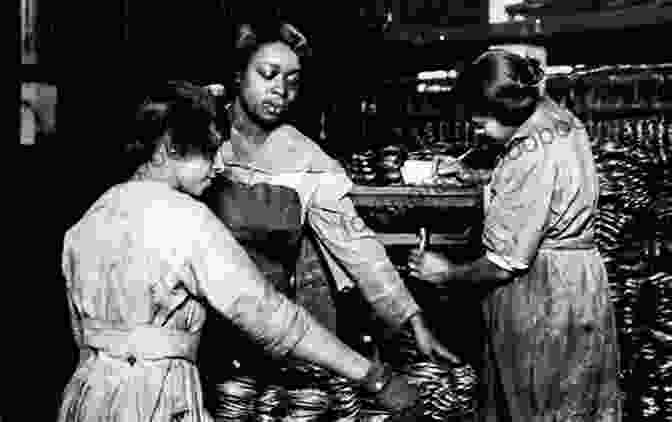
point(500, 84)
point(250, 37)
point(183, 111)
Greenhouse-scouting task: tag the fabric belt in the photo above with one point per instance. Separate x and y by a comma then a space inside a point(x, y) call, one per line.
point(568, 244)
point(141, 342)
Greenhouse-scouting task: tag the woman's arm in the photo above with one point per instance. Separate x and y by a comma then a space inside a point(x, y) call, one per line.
point(439, 270)
point(228, 278)
point(354, 248)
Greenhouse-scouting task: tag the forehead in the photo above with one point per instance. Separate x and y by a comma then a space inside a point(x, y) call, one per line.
point(278, 54)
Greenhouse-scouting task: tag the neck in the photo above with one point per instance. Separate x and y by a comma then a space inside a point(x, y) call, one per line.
point(252, 132)
point(154, 173)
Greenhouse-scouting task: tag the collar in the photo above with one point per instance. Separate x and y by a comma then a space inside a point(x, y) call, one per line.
point(285, 150)
point(546, 115)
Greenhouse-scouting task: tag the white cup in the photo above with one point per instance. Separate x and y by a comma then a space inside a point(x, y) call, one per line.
point(417, 172)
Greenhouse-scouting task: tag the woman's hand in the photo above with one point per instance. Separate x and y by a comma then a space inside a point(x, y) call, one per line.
point(431, 267)
point(450, 167)
point(427, 343)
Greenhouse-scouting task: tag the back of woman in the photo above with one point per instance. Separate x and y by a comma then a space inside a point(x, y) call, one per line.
point(132, 297)
point(122, 263)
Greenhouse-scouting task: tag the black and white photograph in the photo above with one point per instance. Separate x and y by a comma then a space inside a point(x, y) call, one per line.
point(373, 211)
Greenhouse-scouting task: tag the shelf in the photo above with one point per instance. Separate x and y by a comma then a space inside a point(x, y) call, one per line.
point(418, 196)
point(614, 20)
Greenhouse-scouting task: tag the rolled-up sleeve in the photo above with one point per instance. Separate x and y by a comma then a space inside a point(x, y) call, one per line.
point(230, 281)
point(517, 216)
point(353, 246)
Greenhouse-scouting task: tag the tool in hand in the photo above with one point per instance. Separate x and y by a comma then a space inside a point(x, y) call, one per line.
point(423, 239)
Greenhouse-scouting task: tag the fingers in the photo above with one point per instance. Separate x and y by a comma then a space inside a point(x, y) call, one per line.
point(415, 253)
point(440, 350)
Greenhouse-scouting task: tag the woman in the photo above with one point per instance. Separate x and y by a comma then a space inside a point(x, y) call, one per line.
point(552, 353)
point(145, 258)
point(285, 200)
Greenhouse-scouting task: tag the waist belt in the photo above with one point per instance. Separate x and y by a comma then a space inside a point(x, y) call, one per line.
point(568, 244)
point(142, 342)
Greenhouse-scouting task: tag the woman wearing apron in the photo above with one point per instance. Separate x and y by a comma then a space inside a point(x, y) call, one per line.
point(285, 199)
point(552, 353)
point(143, 261)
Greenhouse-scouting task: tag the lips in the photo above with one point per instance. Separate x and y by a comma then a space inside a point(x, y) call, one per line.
point(274, 108)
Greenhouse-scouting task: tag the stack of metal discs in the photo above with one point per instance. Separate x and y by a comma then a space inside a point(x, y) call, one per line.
point(271, 404)
point(361, 167)
point(235, 399)
point(390, 160)
point(345, 400)
point(404, 349)
point(609, 226)
point(307, 404)
point(447, 391)
point(663, 319)
point(299, 374)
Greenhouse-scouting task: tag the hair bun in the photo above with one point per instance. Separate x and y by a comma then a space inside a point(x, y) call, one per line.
point(532, 72)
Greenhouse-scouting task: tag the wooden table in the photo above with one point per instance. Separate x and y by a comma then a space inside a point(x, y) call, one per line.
point(387, 210)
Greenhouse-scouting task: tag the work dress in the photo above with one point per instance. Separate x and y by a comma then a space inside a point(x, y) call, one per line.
point(288, 207)
point(552, 352)
point(140, 266)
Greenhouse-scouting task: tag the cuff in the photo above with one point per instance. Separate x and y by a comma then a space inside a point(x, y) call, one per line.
point(507, 263)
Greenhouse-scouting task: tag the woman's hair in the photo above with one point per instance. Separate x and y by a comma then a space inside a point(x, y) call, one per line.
point(250, 37)
point(502, 85)
point(181, 110)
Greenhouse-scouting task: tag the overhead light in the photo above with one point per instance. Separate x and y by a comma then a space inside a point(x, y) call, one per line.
point(437, 75)
point(216, 89)
point(432, 88)
point(434, 74)
point(558, 70)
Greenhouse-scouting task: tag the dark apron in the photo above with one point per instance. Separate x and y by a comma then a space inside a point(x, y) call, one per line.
point(266, 221)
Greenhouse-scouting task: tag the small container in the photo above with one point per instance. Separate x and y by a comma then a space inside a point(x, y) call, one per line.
point(417, 172)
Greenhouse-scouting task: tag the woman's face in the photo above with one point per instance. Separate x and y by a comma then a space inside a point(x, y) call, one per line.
point(492, 128)
point(270, 83)
point(194, 174)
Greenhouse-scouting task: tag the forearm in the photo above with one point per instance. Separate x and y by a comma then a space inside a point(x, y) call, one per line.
point(344, 236)
point(323, 348)
point(480, 273)
point(286, 328)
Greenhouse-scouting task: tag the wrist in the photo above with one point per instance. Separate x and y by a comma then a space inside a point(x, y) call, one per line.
point(454, 274)
point(416, 320)
point(376, 378)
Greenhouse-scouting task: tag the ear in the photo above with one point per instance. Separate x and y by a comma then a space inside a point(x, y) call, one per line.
point(163, 151)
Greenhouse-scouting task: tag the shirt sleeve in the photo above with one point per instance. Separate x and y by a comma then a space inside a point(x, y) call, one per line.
point(228, 278)
point(351, 245)
point(516, 218)
point(67, 268)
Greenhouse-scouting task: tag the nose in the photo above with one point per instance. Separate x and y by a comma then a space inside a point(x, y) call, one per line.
point(212, 172)
point(279, 87)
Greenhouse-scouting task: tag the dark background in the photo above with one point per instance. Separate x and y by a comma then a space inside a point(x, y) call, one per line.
point(101, 55)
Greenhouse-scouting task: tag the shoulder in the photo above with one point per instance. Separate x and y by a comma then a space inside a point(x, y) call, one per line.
point(307, 153)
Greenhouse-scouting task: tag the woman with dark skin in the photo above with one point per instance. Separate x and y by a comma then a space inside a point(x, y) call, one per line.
point(143, 261)
point(285, 199)
point(552, 353)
